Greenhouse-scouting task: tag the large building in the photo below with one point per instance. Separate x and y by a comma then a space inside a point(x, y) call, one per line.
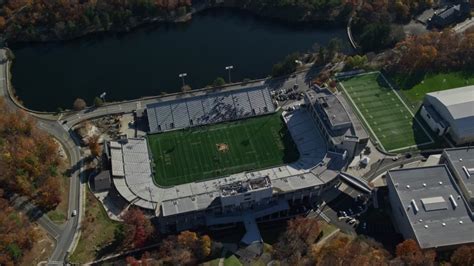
point(434, 205)
point(451, 112)
point(338, 124)
point(251, 196)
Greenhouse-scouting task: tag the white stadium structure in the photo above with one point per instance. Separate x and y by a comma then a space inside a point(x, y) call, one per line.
point(325, 146)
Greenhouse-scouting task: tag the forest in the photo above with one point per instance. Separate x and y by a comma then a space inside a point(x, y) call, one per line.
point(36, 20)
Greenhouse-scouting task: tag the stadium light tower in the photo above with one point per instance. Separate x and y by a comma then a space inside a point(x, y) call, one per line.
point(229, 68)
point(182, 76)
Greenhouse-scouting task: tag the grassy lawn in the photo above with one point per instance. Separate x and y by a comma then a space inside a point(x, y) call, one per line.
point(232, 261)
point(389, 121)
point(327, 228)
point(207, 152)
point(97, 232)
point(416, 86)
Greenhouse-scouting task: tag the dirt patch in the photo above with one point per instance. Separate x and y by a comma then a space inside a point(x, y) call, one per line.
point(222, 147)
point(41, 249)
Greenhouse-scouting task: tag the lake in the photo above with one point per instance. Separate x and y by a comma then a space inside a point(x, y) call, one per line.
point(148, 60)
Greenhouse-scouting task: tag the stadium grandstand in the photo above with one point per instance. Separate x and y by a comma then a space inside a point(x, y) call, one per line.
point(209, 108)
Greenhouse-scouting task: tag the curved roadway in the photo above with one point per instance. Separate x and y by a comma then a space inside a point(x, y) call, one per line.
point(64, 234)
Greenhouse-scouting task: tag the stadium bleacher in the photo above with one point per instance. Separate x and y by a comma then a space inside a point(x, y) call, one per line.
point(209, 109)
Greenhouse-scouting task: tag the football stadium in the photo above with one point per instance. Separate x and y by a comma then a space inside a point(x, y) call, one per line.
point(386, 116)
point(220, 157)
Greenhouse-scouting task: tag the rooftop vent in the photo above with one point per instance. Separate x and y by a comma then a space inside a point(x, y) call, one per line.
point(455, 204)
point(424, 184)
point(434, 203)
point(421, 220)
point(426, 226)
point(440, 182)
point(460, 159)
point(414, 206)
point(408, 186)
point(443, 224)
point(460, 222)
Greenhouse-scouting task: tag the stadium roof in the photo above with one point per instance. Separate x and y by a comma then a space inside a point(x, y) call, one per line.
point(437, 213)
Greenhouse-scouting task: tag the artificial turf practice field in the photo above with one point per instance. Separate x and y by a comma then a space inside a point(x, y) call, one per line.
point(227, 148)
point(387, 117)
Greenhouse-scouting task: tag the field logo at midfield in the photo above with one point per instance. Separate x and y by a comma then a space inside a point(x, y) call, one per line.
point(222, 147)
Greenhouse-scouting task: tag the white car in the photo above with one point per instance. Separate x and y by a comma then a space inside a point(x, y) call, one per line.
point(73, 213)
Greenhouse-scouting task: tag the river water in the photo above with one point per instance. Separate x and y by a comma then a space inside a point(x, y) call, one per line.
point(148, 60)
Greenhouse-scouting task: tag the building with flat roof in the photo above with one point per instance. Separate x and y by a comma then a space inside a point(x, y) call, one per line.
point(461, 163)
point(429, 206)
point(338, 124)
point(451, 112)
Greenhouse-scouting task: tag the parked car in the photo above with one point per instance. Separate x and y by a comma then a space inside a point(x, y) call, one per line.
point(73, 213)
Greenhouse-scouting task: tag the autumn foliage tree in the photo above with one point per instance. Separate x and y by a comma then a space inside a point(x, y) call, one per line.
point(29, 159)
point(185, 249)
point(296, 242)
point(94, 145)
point(410, 253)
point(79, 104)
point(433, 51)
point(16, 234)
point(137, 228)
point(36, 19)
point(344, 251)
point(463, 255)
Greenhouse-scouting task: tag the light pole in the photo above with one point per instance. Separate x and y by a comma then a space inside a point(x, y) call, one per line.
point(229, 68)
point(182, 76)
point(298, 62)
point(102, 96)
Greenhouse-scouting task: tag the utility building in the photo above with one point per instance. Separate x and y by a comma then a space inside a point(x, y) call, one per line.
point(451, 112)
point(434, 205)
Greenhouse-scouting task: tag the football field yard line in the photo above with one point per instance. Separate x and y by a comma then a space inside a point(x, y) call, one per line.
point(193, 155)
point(406, 106)
point(367, 92)
point(362, 116)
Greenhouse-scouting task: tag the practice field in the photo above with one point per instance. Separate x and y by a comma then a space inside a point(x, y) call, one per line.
point(207, 152)
point(384, 113)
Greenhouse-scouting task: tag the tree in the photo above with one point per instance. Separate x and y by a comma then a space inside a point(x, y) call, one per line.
point(218, 82)
point(138, 229)
point(79, 104)
point(464, 255)
point(185, 248)
point(286, 67)
point(296, 242)
point(410, 253)
point(3, 23)
point(94, 145)
point(16, 234)
point(98, 102)
point(206, 244)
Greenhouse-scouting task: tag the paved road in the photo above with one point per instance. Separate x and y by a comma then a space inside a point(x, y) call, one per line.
point(64, 238)
point(69, 120)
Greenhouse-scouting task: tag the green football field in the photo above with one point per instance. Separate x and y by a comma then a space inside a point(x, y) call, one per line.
point(389, 120)
point(211, 151)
